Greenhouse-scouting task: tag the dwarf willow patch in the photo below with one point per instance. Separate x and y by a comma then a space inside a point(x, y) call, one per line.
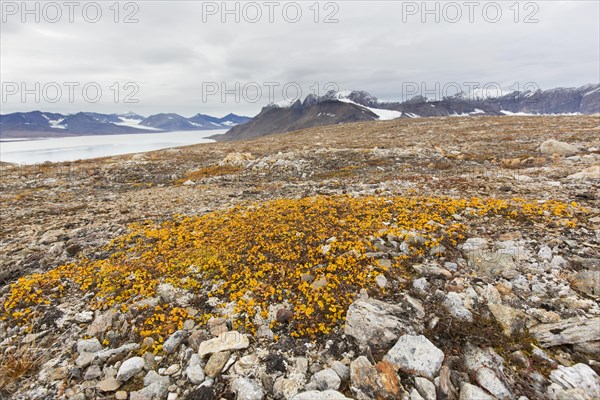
point(256, 255)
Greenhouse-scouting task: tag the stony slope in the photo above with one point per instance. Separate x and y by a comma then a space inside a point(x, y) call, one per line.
point(431, 258)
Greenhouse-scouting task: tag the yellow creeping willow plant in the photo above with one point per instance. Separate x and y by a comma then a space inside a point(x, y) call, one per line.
point(309, 253)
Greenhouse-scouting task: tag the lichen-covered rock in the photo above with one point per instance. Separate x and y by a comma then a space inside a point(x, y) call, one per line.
point(129, 368)
point(247, 389)
point(376, 323)
point(578, 380)
point(326, 379)
point(173, 342)
point(569, 331)
point(416, 355)
point(156, 391)
point(342, 370)
point(454, 303)
point(363, 379)
point(194, 370)
point(511, 319)
point(89, 346)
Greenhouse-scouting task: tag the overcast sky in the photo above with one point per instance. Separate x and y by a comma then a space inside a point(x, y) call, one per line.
point(181, 55)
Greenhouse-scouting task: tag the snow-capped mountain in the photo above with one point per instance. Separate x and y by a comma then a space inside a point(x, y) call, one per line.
point(350, 106)
point(131, 115)
point(45, 124)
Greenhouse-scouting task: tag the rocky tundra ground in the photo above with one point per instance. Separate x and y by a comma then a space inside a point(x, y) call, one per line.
point(420, 259)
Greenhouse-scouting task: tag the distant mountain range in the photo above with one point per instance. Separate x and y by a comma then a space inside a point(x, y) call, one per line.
point(45, 124)
point(352, 106)
point(332, 108)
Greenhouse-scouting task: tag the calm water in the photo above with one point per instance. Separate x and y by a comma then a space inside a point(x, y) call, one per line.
point(82, 147)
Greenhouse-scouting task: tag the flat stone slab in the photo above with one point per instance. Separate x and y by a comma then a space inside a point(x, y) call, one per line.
point(227, 341)
point(569, 331)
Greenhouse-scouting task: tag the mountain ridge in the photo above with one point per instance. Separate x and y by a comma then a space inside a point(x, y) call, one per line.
point(295, 115)
point(37, 123)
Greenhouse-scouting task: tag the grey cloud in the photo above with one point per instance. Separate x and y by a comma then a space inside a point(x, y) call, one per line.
point(170, 53)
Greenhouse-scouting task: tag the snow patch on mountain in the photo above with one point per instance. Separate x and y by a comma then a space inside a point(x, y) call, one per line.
point(135, 123)
point(56, 123)
point(383, 115)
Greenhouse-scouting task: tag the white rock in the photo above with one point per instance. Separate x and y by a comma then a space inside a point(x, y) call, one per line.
point(129, 368)
point(247, 389)
point(375, 323)
point(415, 395)
point(316, 395)
point(194, 371)
point(173, 342)
point(425, 387)
point(167, 292)
point(342, 370)
point(474, 244)
point(558, 262)
point(421, 285)
point(106, 354)
point(451, 266)
point(579, 376)
point(83, 317)
point(490, 381)
point(52, 236)
point(472, 392)
point(588, 173)
point(226, 341)
point(287, 388)
point(84, 359)
point(188, 325)
point(545, 253)
point(93, 372)
point(416, 305)
point(173, 369)
point(156, 391)
point(416, 354)
point(153, 376)
point(550, 147)
point(455, 305)
point(326, 379)
point(568, 331)
point(88, 346)
point(381, 281)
